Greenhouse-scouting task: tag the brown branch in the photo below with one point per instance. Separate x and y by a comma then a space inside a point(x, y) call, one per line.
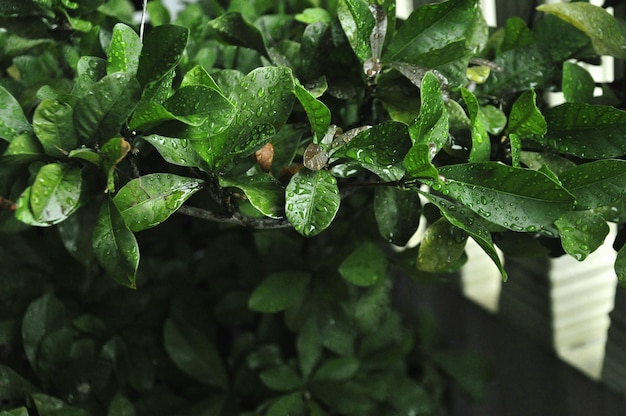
point(7, 204)
point(236, 219)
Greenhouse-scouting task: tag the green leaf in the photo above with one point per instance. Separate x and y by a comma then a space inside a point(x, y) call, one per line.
point(43, 316)
point(281, 378)
point(570, 126)
point(102, 111)
point(596, 184)
point(279, 291)
point(582, 232)
point(494, 118)
point(337, 369)
point(175, 151)
point(397, 212)
point(89, 70)
point(481, 144)
point(112, 153)
point(432, 124)
point(53, 123)
point(23, 149)
point(418, 162)
point(55, 193)
point(470, 371)
point(516, 34)
point(290, 404)
point(51, 406)
point(115, 245)
point(526, 119)
point(431, 27)
point(232, 28)
point(13, 121)
point(604, 30)
point(562, 40)
point(20, 411)
point(515, 198)
point(471, 223)
point(357, 22)
point(124, 50)
point(441, 248)
point(365, 266)
point(159, 14)
point(316, 111)
point(312, 201)
point(577, 84)
point(120, 406)
point(193, 105)
point(380, 149)
point(263, 191)
point(199, 76)
point(309, 346)
point(620, 266)
point(162, 50)
point(150, 199)
point(24, 212)
point(194, 353)
point(86, 154)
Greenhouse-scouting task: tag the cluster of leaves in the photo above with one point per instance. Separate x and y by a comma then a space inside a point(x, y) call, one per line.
point(264, 122)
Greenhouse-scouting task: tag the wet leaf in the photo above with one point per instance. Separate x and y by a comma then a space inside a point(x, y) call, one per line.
point(112, 153)
point(596, 184)
point(102, 111)
point(316, 111)
point(279, 291)
point(577, 84)
point(365, 266)
point(481, 144)
point(471, 223)
point(43, 316)
point(89, 70)
point(51, 406)
point(199, 76)
point(312, 201)
point(526, 119)
point(115, 245)
point(162, 50)
point(515, 198)
point(431, 27)
point(603, 29)
point(418, 162)
point(431, 126)
point(124, 50)
point(380, 149)
point(53, 124)
point(24, 212)
point(570, 126)
point(441, 248)
point(55, 193)
point(23, 149)
point(263, 191)
point(86, 154)
point(176, 151)
point(13, 121)
point(582, 232)
point(516, 34)
point(150, 199)
point(397, 213)
point(233, 29)
point(194, 353)
point(357, 22)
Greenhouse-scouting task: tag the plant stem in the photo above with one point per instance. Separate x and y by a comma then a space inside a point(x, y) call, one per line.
point(236, 218)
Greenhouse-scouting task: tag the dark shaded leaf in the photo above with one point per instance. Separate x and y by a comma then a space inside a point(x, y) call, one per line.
point(194, 353)
point(232, 28)
point(281, 378)
point(577, 84)
point(53, 123)
point(263, 191)
point(441, 248)
point(582, 232)
point(596, 184)
point(162, 50)
point(115, 245)
point(42, 317)
point(365, 266)
point(397, 212)
point(279, 291)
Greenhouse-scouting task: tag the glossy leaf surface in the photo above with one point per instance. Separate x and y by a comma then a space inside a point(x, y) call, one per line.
point(115, 245)
point(12, 118)
point(397, 213)
point(433, 122)
point(262, 190)
point(578, 84)
point(581, 233)
point(55, 193)
point(501, 194)
point(312, 201)
point(53, 124)
point(357, 22)
point(176, 151)
point(441, 248)
point(525, 118)
point(162, 50)
point(100, 113)
point(234, 29)
point(124, 50)
point(150, 199)
point(596, 184)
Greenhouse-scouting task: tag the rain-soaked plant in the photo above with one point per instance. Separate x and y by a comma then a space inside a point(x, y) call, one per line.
point(260, 157)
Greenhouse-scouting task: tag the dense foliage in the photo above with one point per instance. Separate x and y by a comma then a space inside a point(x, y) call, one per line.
point(245, 169)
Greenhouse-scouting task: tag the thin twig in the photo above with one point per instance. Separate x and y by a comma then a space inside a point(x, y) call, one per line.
point(236, 218)
point(143, 19)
